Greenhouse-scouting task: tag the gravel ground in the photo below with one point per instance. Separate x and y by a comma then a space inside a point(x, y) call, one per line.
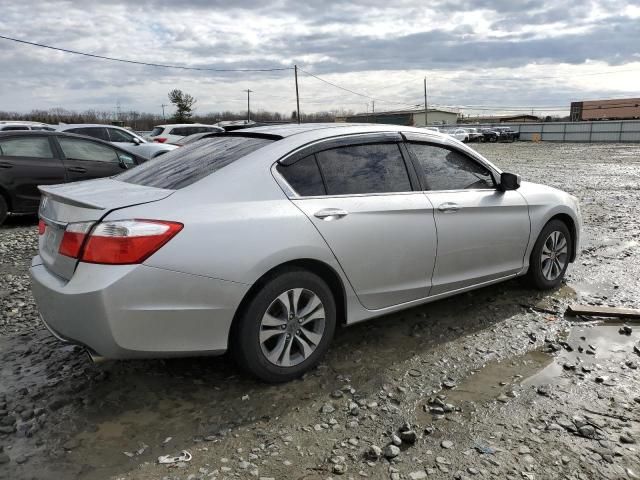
point(495, 383)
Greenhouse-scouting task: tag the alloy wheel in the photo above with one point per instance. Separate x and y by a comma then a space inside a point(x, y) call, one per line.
point(553, 258)
point(292, 327)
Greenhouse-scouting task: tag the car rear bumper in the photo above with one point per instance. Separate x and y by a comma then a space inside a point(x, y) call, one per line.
point(137, 311)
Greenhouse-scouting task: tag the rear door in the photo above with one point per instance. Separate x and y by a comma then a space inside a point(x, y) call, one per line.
point(84, 159)
point(26, 162)
point(360, 198)
point(483, 232)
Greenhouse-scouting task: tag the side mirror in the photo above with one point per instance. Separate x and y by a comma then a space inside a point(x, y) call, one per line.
point(126, 161)
point(509, 181)
point(136, 140)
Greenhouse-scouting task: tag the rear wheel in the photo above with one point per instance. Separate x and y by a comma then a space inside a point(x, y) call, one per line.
point(286, 328)
point(550, 256)
point(4, 210)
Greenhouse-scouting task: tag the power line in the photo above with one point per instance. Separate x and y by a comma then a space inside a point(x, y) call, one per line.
point(148, 64)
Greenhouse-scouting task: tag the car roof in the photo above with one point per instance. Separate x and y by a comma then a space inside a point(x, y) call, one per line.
point(186, 125)
point(326, 130)
point(77, 125)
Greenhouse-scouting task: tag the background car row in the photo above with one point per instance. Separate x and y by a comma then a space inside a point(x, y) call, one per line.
point(472, 134)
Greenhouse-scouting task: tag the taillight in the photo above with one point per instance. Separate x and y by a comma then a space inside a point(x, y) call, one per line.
point(73, 238)
point(123, 242)
point(42, 227)
point(160, 139)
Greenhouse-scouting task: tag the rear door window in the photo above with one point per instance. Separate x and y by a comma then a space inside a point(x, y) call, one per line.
point(156, 131)
point(34, 147)
point(372, 168)
point(448, 169)
point(303, 176)
point(95, 132)
point(78, 149)
point(14, 128)
point(116, 135)
point(186, 165)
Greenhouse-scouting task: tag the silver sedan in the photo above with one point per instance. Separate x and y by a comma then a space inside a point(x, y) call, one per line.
point(261, 241)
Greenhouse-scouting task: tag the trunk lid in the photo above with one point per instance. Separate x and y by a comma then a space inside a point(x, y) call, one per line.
point(87, 201)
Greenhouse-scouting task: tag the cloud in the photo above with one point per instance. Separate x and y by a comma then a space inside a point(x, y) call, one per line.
point(367, 46)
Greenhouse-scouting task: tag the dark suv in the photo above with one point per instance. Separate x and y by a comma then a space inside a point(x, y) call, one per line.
point(32, 158)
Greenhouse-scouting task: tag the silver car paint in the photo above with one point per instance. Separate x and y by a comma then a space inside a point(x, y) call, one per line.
point(239, 225)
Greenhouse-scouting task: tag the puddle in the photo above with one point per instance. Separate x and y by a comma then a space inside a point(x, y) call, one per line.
point(607, 347)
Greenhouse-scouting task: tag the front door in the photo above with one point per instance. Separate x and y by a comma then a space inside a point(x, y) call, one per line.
point(381, 232)
point(483, 232)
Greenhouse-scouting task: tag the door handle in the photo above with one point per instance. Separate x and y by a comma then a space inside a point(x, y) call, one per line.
point(329, 214)
point(449, 207)
point(77, 169)
point(6, 165)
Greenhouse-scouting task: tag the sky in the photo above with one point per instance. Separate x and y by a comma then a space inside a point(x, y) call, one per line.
point(479, 56)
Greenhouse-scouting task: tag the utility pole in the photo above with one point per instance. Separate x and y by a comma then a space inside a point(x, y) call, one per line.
point(295, 69)
point(426, 115)
point(373, 110)
point(248, 106)
point(163, 105)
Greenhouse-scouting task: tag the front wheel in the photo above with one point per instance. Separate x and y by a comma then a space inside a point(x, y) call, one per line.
point(286, 328)
point(550, 256)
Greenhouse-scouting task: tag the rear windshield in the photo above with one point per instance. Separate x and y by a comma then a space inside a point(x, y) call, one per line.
point(156, 131)
point(185, 165)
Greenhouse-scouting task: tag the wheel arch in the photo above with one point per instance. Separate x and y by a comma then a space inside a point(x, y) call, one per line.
point(323, 270)
point(7, 198)
point(571, 225)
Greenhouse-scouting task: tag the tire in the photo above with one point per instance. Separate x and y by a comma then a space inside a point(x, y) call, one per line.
point(4, 210)
point(274, 352)
point(549, 273)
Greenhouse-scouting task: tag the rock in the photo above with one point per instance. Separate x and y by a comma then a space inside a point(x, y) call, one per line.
point(396, 440)
point(625, 330)
point(373, 452)
point(587, 431)
point(337, 394)
point(327, 408)
point(391, 451)
point(627, 438)
point(20, 459)
point(449, 383)
point(543, 390)
point(502, 398)
point(418, 475)
point(442, 461)
point(523, 450)
point(409, 436)
point(340, 469)
point(446, 444)
point(4, 458)
point(71, 444)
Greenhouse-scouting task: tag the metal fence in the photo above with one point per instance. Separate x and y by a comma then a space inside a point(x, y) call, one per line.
point(603, 131)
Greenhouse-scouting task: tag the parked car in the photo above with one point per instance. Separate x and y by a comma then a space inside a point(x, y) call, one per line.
point(506, 134)
point(489, 135)
point(10, 126)
point(173, 133)
point(30, 158)
point(192, 138)
point(120, 137)
point(474, 135)
point(459, 134)
point(262, 241)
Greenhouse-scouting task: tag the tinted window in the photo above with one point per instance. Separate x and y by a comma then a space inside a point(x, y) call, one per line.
point(188, 164)
point(178, 131)
point(446, 169)
point(95, 132)
point(156, 131)
point(375, 168)
point(117, 135)
point(78, 149)
point(37, 147)
point(14, 127)
point(304, 176)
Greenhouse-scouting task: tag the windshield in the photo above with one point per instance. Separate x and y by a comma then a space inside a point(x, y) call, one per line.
point(156, 131)
point(186, 165)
